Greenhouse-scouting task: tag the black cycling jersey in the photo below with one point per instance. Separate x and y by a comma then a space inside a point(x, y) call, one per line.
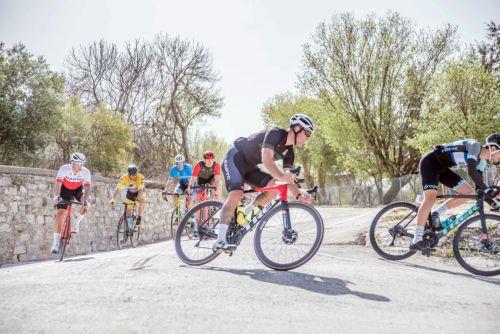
point(241, 163)
point(274, 138)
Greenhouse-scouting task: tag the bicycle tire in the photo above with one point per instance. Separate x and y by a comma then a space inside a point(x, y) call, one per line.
point(178, 237)
point(64, 240)
point(320, 230)
point(135, 235)
point(174, 222)
point(373, 226)
point(121, 233)
point(456, 246)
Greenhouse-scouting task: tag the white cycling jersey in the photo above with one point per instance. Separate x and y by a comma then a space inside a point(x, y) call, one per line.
point(72, 180)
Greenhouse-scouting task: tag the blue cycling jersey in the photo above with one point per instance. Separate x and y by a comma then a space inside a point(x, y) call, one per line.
point(182, 175)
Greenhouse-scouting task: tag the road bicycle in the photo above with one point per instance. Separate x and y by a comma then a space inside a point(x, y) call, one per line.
point(476, 242)
point(288, 233)
point(177, 214)
point(66, 233)
point(128, 230)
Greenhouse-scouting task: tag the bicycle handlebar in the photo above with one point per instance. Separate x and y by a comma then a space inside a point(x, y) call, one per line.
point(203, 187)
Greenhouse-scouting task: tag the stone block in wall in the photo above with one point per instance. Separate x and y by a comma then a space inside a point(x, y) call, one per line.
point(20, 249)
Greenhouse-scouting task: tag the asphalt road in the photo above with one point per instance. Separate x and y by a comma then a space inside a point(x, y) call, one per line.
point(344, 288)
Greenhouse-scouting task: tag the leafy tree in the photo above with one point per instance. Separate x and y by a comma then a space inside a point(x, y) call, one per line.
point(489, 50)
point(206, 141)
point(317, 156)
point(105, 138)
point(380, 70)
point(30, 99)
point(466, 104)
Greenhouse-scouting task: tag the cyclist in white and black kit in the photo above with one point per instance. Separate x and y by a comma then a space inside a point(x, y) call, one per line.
point(435, 167)
point(242, 166)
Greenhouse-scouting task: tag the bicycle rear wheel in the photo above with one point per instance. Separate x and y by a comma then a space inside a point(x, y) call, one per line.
point(474, 254)
point(64, 239)
point(392, 229)
point(285, 250)
point(197, 250)
point(121, 232)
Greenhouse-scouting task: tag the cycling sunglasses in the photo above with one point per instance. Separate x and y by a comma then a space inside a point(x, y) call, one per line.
point(307, 132)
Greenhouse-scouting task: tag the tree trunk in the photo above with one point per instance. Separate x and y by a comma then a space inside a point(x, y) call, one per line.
point(394, 189)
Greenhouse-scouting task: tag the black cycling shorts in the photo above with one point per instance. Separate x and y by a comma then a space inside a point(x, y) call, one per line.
point(237, 171)
point(434, 171)
point(131, 196)
point(67, 195)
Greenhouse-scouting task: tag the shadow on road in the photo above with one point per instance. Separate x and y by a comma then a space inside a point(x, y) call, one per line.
point(444, 271)
point(78, 259)
point(319, 284)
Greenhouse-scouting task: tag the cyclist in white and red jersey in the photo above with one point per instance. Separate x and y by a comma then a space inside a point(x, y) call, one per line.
point(72, 182)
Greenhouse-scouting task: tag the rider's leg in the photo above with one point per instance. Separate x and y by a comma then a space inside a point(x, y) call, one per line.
point(423, 213)
point(233, 198)
point(454, 181)
point(141, 200)
point(61, 215)
point(261, 179)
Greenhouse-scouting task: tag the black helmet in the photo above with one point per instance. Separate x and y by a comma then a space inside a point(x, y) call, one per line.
point(493, 140)
point(132, 169)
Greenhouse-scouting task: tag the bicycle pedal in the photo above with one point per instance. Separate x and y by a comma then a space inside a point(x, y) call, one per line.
point(428, 252)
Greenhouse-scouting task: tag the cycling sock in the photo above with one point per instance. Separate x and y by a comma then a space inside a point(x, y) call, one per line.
point(249, 209)
point(222, 232)
point(441, 209)
point(419, 233)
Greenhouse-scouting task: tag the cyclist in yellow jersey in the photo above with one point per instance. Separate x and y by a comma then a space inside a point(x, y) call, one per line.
point(134, 182)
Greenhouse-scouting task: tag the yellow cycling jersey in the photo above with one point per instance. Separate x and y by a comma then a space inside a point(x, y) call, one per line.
point(132, 185)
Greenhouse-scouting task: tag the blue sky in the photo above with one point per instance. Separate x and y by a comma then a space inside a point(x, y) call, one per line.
point(256, 45)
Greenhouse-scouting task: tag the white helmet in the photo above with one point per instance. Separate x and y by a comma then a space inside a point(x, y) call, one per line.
point(179, 158)
point(303, 120)
point(78, 157)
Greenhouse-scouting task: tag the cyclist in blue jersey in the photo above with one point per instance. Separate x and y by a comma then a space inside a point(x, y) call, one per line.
point(181, 173)
point(435, 167)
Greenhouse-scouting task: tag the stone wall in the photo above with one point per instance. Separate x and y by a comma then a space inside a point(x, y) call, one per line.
point(27, 216)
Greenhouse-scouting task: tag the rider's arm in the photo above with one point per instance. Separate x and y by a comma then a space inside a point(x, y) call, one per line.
point(267, 161)
point(170, 183)
point(86, 192)
point(57, 188)
point(194, 177)
point(472, 165)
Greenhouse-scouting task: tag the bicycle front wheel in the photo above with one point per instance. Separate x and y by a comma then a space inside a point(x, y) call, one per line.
point(135, 234)
point(392, 230)
point(285, 250)
point(175, 219)
point(478, 256)
point(195, 249)
point(64, 240)
point(121, 232)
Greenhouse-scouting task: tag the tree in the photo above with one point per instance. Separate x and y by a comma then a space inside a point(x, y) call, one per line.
point(162, 88)
point(380, 71)
point(30, 99)
point(106, 139)
point(208, 141)
point(466, 104)
point(187, 81)
point(489, 50)
point(317, 157)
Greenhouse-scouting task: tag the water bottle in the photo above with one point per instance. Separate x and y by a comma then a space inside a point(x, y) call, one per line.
point(130, 222)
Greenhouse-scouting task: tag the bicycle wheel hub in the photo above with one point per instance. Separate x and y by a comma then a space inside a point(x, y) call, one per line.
point(290, 237)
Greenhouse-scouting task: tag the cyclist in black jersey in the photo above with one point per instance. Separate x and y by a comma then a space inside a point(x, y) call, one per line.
point(435, 167)
point(241, 166)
